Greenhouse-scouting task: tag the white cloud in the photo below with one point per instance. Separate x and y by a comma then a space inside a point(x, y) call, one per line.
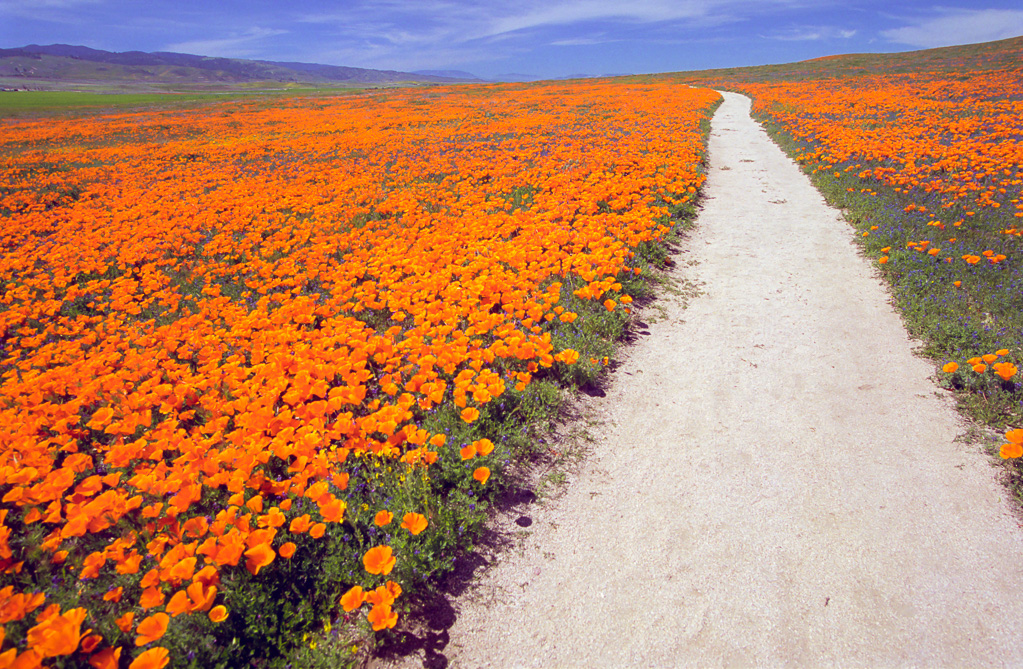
point(236, 46)
point(810, 34)
point(450, 32)
point(579, 11)
point(11, 5)
point(581, 41)
point(959, 26)
point(54, 11)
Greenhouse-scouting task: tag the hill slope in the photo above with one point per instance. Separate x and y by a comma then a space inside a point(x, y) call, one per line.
point(1003, 54)
point(79, 64)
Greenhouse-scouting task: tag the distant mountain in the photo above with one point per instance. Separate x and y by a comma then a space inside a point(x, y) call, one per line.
point(515, 77)
point(80, 64)
point(461, 75)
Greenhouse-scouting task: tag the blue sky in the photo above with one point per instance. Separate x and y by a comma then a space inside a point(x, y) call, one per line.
point(541, 37)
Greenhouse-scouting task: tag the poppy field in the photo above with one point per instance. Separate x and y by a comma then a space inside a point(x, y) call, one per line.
point(263, 363)
point(928, 166)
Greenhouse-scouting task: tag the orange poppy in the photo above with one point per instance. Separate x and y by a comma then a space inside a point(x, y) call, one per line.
point(414, 522)
point(107, 658)
point(151, 597)
point(1011, 450)
point(152, 628)
point(300, 524)
point(382, 617)
point(58, 634)
point(179, 603)
point(153, 658)
point(259, 556)
point(89, 643)
point(353, 598)
point(126, 621)
point(379, 560)
point(333, 510)
point(1005, 370)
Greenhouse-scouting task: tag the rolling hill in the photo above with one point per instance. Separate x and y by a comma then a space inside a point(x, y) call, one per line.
point(67, 64)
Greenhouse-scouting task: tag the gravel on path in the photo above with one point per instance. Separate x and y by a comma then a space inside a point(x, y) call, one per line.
point(777, 481)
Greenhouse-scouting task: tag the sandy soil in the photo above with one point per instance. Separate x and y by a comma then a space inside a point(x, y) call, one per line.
point(776, 481)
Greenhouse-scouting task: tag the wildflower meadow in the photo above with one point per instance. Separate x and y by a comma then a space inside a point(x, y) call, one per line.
point(263, 362)
point(924, 155)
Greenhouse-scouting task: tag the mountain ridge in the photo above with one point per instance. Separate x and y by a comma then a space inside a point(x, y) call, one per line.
point(81, 64)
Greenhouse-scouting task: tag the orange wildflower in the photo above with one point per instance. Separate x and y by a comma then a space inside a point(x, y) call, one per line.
point(353, 598)
point(259, 556)
point(379, 560)
point(200, 359)
point(382, 617)
point(1013, 449)
point(152, 628)
point(384, 594)
point(107, 658)
point(113, 595)
point(57, 635)
point(950, 367)
point(414, 522)
point(151, 597)
point(126, 621)
point(89, 643)
point(568, 356)
point(153, 658)
point(481, 474)
point(333, 510)
point(179, 603)
point(1005, 370)
point(300, 524)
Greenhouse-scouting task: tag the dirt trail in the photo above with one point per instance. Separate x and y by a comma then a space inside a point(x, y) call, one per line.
point(776, 481)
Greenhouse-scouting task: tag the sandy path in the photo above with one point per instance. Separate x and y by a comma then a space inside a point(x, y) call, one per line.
point(776, 482)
